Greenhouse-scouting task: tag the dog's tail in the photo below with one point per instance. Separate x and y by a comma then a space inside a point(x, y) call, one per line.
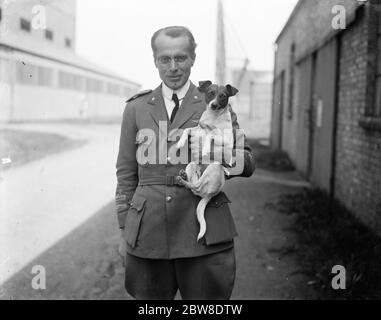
point(201, 216)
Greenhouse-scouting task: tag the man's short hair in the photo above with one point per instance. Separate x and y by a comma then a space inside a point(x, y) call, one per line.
point(175, 32)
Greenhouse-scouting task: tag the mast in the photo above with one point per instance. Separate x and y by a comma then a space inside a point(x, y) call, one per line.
point(220, 49)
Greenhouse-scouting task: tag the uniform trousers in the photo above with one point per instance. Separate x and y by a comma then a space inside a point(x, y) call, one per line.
point(209, 277)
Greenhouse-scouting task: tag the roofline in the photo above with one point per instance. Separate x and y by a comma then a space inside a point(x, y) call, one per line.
point(290, 18)
point(9, 47)
point(295, 11)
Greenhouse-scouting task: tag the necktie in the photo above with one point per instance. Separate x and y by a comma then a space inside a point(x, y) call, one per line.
point(176, 108)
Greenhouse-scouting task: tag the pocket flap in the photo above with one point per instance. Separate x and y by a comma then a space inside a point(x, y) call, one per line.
point(133, 220)
point(218, 200)
point(138, 203)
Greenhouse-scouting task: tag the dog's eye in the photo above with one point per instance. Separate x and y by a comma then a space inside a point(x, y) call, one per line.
point(211, 94)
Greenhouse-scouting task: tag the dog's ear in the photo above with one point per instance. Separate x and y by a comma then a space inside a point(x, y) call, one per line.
point(231, 90)
point(203, 85)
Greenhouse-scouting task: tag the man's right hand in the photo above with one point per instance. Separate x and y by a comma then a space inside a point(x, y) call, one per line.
point(122, 250)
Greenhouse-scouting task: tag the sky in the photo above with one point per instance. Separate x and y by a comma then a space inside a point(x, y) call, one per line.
point(116, 34)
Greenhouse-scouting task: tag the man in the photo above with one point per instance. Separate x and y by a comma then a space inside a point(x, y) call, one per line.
point(157, 217)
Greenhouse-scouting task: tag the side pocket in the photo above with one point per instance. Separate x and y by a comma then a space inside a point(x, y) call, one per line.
point(220, 227)
point(133, 220)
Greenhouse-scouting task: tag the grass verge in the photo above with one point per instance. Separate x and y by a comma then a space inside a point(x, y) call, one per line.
point(329, 235)
point(25, 146)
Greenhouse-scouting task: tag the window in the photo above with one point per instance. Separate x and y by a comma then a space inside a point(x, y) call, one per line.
point(70, 81)
point(68, 42)
point(49, 34)
point(371, 120)
point(26, 73)
point(45, 76)
point(377, 110)
point(94, 85)
point(113, 88)
point(25, 24)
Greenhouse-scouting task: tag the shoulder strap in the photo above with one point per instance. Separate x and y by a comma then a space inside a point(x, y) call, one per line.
point(139, 94)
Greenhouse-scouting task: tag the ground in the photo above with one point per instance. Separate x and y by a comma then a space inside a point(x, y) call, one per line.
point(80, 257)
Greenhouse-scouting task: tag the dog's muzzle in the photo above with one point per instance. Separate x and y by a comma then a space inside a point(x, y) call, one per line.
point(219, 103)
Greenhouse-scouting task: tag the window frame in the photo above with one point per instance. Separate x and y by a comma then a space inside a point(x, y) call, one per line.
point(49, 34)
point(25, 25)
point(371, 119)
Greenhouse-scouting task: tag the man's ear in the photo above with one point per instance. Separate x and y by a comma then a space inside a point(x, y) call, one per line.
point(155, 61)
point(231, 90)
point(203, 85)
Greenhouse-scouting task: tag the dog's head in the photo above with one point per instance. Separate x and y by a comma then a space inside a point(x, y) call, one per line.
point(216, 97)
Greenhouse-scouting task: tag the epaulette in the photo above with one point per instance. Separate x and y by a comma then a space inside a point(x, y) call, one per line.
point(139, 94)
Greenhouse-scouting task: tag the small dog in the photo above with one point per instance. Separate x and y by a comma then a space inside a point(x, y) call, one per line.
point(207, 180)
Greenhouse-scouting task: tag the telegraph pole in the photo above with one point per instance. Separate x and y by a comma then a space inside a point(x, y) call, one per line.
point(220, 49)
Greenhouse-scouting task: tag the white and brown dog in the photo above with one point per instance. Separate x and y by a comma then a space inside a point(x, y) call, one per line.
point(206, 179)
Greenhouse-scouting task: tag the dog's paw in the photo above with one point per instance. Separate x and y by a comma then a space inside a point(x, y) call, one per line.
point(180, 144)
point(180, 181)
point(183, 175)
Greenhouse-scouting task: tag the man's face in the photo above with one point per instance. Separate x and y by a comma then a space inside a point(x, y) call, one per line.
point(173, 60)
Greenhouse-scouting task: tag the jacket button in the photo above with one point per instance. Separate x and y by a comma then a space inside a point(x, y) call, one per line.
point(169, 199)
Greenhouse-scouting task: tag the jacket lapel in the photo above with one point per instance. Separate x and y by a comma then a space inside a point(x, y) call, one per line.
point(158, 111)
point(189, 107)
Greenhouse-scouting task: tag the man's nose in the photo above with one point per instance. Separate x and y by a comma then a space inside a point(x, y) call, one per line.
point(173, 66)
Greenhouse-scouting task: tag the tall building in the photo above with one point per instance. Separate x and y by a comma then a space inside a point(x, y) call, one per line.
point(41, 76)
point(327, 100)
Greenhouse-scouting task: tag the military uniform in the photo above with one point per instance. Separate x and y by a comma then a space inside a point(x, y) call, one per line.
point(158, 216)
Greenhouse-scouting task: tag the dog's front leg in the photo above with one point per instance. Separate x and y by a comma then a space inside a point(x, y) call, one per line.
point(206, 146)
point(183, 138)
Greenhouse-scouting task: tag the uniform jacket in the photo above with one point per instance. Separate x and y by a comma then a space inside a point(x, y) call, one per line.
point(159, 220)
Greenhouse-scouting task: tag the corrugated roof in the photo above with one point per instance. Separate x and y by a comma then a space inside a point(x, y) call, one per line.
point(61, 55)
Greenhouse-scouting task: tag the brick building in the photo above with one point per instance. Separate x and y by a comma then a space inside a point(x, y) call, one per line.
point(326, 109)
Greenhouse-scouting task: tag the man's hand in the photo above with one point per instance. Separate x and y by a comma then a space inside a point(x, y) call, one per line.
point(122, 250)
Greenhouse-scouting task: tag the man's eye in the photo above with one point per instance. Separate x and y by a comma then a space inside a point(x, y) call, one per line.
point(180, 58)
point(164, 59)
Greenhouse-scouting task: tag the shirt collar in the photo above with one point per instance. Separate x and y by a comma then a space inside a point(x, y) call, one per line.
point(168, 92)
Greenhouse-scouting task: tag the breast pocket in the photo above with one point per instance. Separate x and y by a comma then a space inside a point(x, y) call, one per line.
point(134, 219)
point(220, 227)
point(194, 121)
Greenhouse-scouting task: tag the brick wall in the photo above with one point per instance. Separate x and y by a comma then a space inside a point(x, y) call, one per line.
point(358, 150)
point(358, 167)
point(308, 28)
